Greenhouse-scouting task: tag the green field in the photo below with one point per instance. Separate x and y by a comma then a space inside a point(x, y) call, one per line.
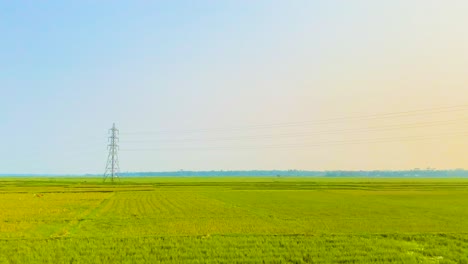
point(226, 220)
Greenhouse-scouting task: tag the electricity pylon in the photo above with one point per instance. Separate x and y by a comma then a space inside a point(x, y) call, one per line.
point(112, 166)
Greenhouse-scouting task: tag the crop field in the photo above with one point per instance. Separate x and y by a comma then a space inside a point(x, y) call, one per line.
point(233, 220)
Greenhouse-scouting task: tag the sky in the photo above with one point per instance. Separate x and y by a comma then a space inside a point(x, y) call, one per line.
point(233, 85)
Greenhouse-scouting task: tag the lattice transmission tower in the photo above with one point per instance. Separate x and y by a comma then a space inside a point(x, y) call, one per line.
point(112, 166)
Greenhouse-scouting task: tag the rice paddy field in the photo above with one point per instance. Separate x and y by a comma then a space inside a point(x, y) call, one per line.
point(233, 220)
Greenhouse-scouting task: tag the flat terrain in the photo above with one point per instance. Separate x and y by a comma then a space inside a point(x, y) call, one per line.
point(244, 220)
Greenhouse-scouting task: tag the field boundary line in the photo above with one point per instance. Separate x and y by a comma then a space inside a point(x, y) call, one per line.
point(242, 235)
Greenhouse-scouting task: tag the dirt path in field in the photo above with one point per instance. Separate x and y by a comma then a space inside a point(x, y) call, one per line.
point(74, 225)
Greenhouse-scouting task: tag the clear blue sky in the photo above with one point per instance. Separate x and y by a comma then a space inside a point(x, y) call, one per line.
point(69, 69)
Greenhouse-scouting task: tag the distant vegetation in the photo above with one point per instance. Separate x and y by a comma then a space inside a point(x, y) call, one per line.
point(432, 173)
point(415, 173)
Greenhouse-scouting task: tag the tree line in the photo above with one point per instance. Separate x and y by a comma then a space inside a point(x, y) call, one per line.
point(306, 173)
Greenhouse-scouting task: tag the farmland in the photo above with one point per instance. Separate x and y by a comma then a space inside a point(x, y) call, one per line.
point(212, 220)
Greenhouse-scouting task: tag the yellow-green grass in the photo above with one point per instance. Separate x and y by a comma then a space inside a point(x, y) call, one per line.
point(221, 219)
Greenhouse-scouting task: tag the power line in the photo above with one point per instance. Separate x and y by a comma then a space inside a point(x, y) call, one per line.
point(388, 115)
point(312, 133)
point(306, 145)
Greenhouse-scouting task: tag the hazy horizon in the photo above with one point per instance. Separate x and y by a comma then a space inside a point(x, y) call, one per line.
point(233, 85)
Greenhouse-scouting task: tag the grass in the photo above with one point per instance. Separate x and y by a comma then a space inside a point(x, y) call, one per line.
point(225, 220)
